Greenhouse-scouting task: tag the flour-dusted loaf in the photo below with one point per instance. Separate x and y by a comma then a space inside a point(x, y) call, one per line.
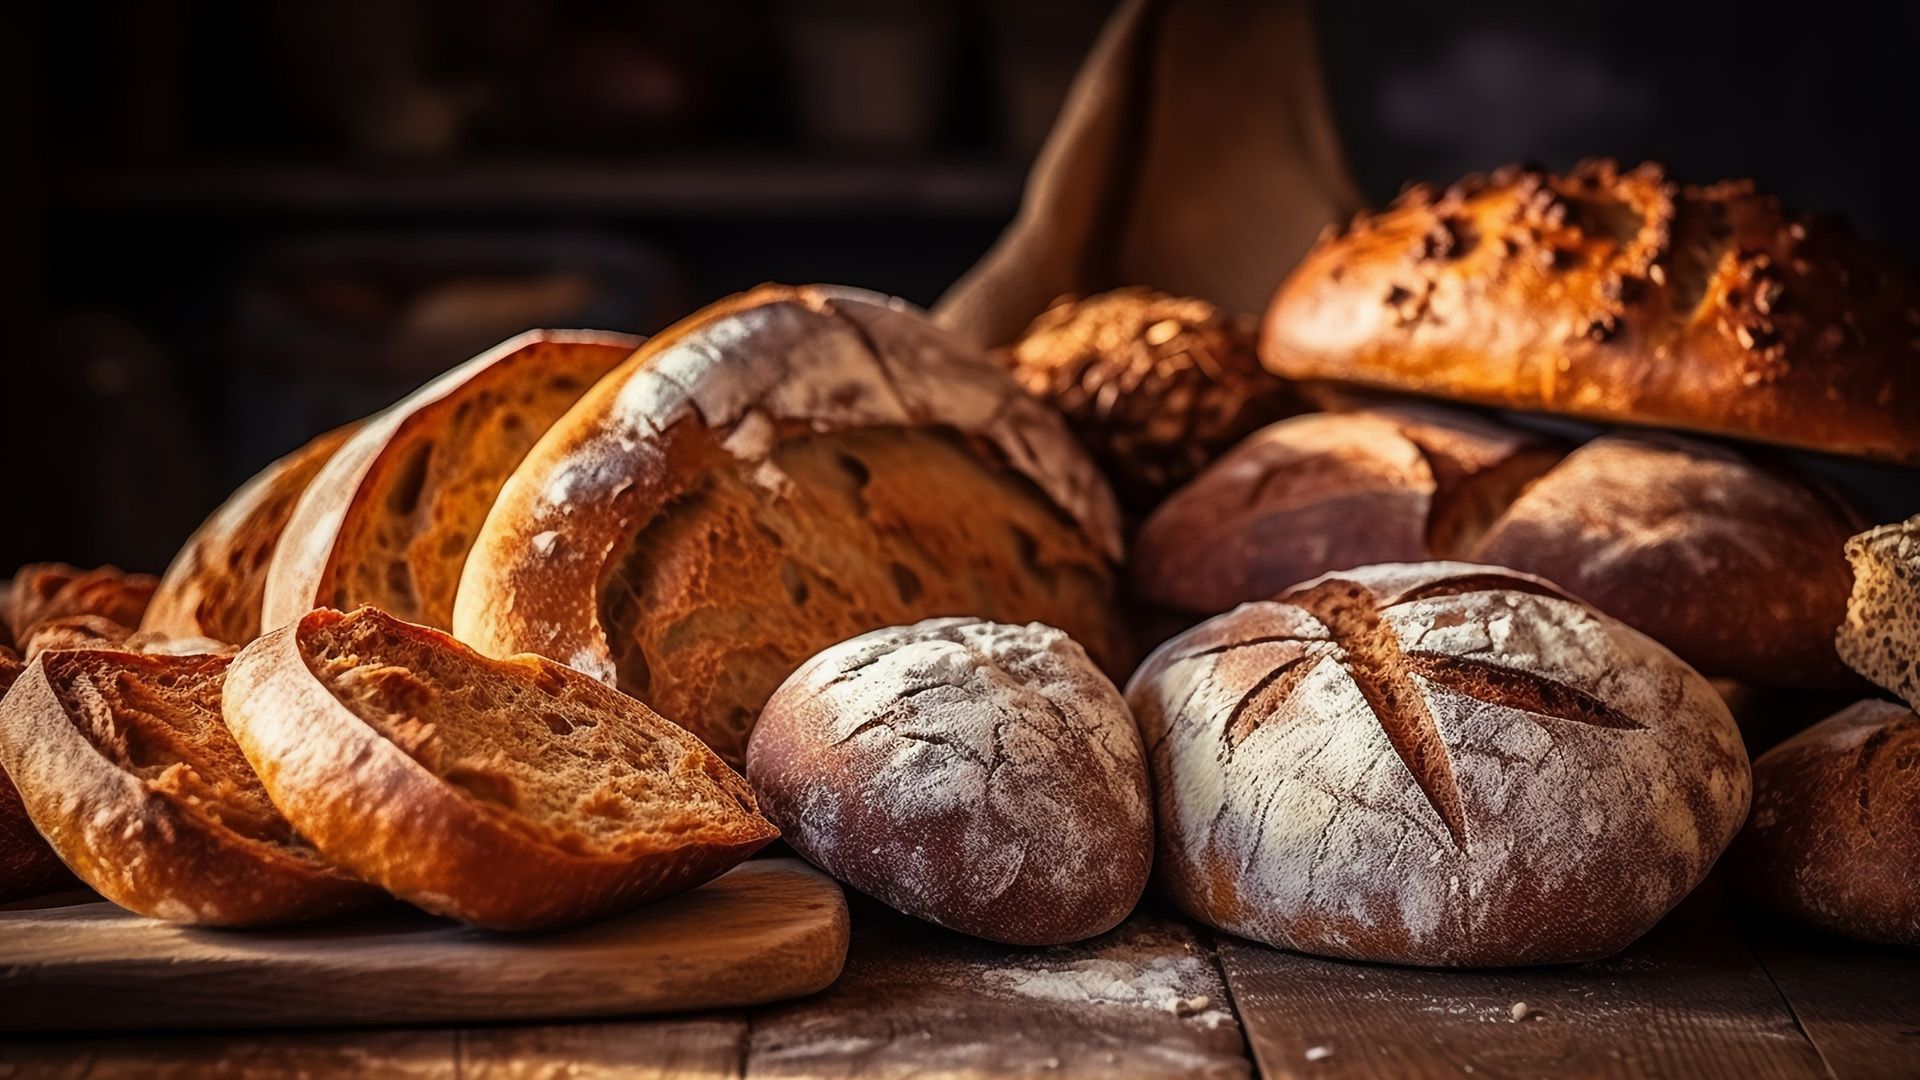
point(1436, 764)
point(27, 865)
point(126, 768)
point(1880, 638)
point(42, 592)
point(1330, 491)
point(982, 776)
point(214, 586)
point(510, 794)
point(779, 472)
point(1617, 295)
point(389, 519)
point(1156, 386)
point(1835, 836)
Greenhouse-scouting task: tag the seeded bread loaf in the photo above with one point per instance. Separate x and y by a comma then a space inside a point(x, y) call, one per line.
point(981, 776)
point(27, 865)
point(1436, 764)
point(1836, 826)
point(215, 584)
point(777, 473)
point(510, 794)
point(389, 519)
point(124, 765)
point(1880, 638)
point(42, 592)
point(1616, 295)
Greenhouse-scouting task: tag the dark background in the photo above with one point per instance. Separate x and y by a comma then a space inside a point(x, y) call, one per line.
point(225, 226)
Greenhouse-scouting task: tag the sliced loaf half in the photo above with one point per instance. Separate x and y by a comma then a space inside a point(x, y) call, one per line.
point(1881, 636)
point(27, 865)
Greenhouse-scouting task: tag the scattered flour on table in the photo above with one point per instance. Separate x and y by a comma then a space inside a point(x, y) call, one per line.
point(1142, 980)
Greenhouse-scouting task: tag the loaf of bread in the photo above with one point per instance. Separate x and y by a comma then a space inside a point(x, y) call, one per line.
point(215, 584)
point(981, 776)
point(27, 865)
point(1836, 826)
point(124, 765)
point(1156, 386)
point(43, 592)
point(1734, 566)
point(389, 518)
point(777, 473)
point(510, 794)
point(1880, 637)
point(1616, 295)
point(1437, 764)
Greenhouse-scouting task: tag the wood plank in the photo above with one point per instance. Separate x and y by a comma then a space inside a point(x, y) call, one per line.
point(768, 930)
point(404, 1055)
point(1688, 1000)
point(697, 1048)
point(1859, 1003)
point(1143, 1001)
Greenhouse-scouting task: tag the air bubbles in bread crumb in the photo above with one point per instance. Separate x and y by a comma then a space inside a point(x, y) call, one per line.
point(544, 542)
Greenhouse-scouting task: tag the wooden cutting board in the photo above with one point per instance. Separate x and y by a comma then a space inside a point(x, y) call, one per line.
point(767, 930)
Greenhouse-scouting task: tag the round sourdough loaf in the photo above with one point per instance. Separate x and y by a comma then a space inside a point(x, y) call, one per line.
point(779, 472)
point(389, 518)
point(125, 766)
point(1437, 764)
point(214, 586)
point(1880, 638)
point(981, 776)
point(510, 794)
point(27, 865)
point(1330, 491)
point(1835, 836)
point(1616, 295)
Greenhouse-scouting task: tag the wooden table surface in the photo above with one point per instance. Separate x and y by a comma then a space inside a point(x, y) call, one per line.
point(1706, 994)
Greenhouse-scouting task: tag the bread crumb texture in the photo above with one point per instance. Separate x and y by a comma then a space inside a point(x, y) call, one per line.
point(1881, 636)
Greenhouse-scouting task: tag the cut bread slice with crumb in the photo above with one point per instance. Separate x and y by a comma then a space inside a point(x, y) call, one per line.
point(124, 765)
point(510, 794)
point(27, 865)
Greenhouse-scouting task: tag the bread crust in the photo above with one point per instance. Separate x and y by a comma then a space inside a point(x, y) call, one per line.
point(136, 844)
point(214, 586)
point(308, 569)
point(1616, 295)
point(27, 865)
point(366, 804)
point(42, 592)
point(1836, 825)
point(1439, 764)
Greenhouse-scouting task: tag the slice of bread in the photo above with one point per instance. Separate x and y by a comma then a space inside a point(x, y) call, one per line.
point(510, 794)
point(1881, 636)
point(42, 592)
point(213, 587)
point(389, 519)
point(125, 767)
point(27, 865)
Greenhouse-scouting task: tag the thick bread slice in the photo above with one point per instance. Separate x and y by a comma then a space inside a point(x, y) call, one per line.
point(124, 765)
point(214, 585)
point(27, 865)
point(1881, 636)
point(389, 519)
point(510, 794)
point(42, 592)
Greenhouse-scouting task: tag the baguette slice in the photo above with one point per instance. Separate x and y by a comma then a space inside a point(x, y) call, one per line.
point(125, 767)
point(510, 794)
point(27, 865)
point(213, 587)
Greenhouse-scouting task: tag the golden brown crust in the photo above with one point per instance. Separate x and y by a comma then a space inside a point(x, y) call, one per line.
point(183, 842)
point(368, 804)
point(42, 592)
point(1156, 386)
point(389, 518)
point(1616, 295)
point(27, 865)
point(1836, 823)
point(214, 585)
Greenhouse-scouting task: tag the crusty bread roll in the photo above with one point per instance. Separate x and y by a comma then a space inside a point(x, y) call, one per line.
point(776, 473)
point(214, 585)
point(1330, 491)
point(1734, 566)
point(981, 776)
point(1156, 386)
point(389, 518)
point(510, 794)
point(1880, 638)
point(27, 865)
point(125, 767)
point(1835, 836)
point(42, 592)
point(1619, 296)
point(1437, 764)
